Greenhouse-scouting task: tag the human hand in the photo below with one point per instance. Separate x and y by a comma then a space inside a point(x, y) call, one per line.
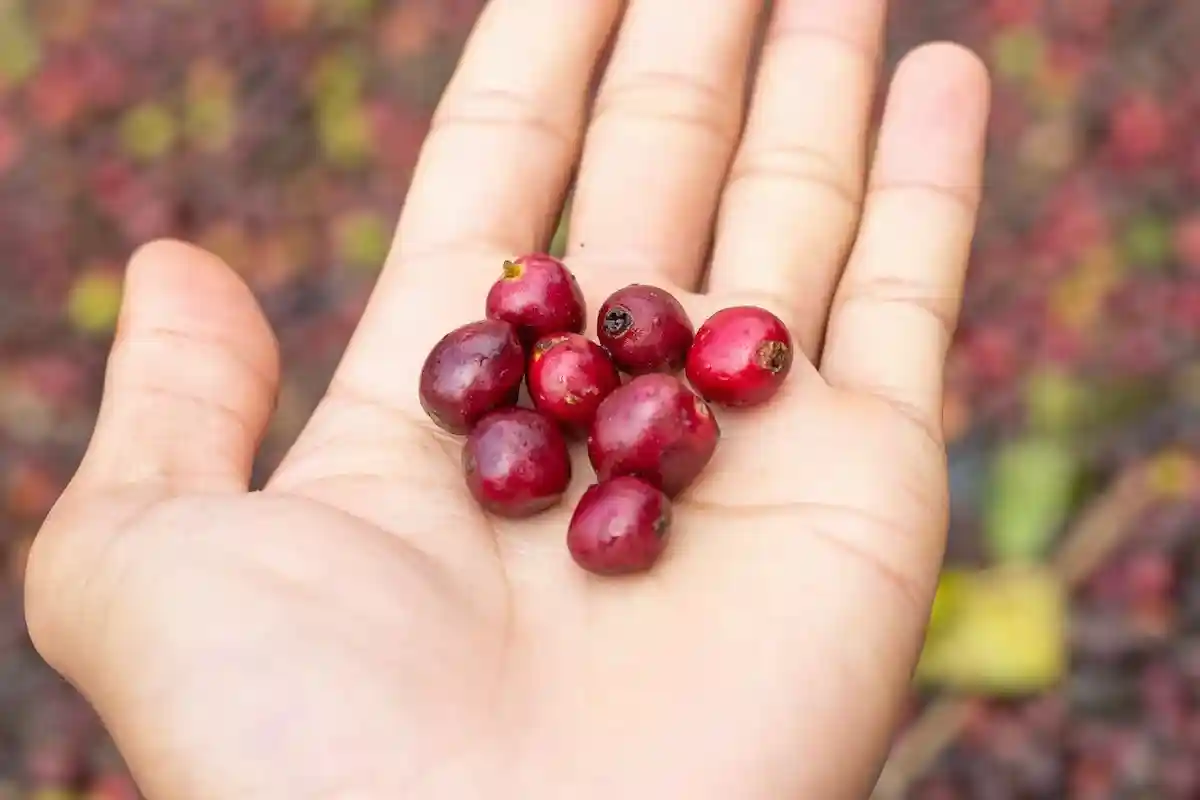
point(359, 629)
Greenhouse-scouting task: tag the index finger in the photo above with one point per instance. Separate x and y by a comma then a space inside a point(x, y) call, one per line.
point(506, 135)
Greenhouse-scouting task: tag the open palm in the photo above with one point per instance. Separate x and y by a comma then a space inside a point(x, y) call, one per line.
point(360, 629)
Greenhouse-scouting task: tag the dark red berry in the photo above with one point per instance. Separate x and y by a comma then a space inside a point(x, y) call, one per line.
point(645, 328)
point(473, 370)
point(516, 462)
point(741, 356)
point(656, 429)
point(540, 296)
point(569, 376)
point(619, 527)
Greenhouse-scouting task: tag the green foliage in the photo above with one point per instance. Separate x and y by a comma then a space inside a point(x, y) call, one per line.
point(1030, 493)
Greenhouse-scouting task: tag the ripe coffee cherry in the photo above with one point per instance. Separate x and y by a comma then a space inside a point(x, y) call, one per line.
point(645, 329)
point(568, 377)
point(740, 357)
point(619, 527)
point(539, 296)
point(473, 370)
point(516, 463)
point(656, 429)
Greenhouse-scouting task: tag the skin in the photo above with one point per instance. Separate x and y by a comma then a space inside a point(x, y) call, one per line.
point(359, 629)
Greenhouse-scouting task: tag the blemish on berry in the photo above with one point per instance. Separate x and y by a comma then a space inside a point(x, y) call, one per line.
point(545, 344)
point(773, 356)
point(617, 321)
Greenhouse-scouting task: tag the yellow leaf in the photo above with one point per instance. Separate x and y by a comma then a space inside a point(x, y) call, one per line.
point(1018, 53)
point(1173, 474)
point(344, 132)
point(363, 238)
point(20, 50)
point(1007, 636)
point(148, 131)
point(95, 301)
point(948, 600)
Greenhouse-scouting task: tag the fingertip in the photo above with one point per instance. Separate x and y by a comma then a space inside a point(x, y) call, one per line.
point(935, 121)
point(944, 81)
point(948, 60)
point(191, 378)
point(171, 282)
point(165, 251)
point(170, 265)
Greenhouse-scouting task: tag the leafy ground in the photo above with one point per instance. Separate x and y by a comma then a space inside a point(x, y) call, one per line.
point(281, 134)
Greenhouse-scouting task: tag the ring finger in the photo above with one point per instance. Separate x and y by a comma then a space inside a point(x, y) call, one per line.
point(791, 203)
point(664, 127)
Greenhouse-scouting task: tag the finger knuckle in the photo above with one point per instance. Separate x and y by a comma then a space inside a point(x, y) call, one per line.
point(502, 108)
point(804, 167)
point(671, 98)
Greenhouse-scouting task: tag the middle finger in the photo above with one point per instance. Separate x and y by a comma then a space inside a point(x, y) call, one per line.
point(666, 121)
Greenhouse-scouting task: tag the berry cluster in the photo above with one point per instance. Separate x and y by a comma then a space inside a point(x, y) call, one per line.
point(649, 436)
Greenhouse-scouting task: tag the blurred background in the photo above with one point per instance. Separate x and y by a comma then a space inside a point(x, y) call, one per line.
point(1064, 651)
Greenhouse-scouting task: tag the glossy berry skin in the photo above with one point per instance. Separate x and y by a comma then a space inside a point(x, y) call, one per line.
point(740, 357)
point(645, 329)
point(472, 371)
point(516, 463)
point(620, 527)
point(568, 377)
point(539, 295)
point(656, 429)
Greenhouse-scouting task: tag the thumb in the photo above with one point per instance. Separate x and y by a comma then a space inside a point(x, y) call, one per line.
point(188, 393)
point(191, 378)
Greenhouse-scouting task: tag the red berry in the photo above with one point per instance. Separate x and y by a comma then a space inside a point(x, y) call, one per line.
point(656, 429)
point(568, 378)
point(473, 370)
point(1139, 128)
point(645, 328)
point(538, 295)
point(619, 527)
point(993, 353)
point(516, 463)
point(741, 356)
